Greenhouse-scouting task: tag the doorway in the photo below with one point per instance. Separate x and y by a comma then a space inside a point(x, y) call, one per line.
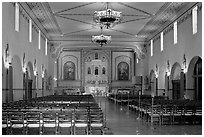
point(176, 89)
point(198, 79)
point(30, 89)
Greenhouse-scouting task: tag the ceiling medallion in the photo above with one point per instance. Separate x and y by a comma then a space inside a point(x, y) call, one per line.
point(107, 18)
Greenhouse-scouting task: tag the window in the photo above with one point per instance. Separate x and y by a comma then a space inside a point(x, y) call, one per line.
point(151, 48)
point(17, 18)
point(162, 41)
point(39, 37)
point(175, 32)
point(30, 30)
point(96, 70)
point(46, 47)
point(194, 19)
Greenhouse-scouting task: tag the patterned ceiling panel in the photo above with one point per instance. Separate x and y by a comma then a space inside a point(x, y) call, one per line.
point(72, 22)
point(164, 17)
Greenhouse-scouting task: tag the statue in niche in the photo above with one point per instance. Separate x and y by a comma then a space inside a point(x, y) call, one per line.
point(96, 55)
point(123, 71)
point(103, 71)
point(96, 70)
point(69, 71)
point(89, 70)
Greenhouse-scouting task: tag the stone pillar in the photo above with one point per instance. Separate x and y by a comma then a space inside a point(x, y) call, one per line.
point(166, 85)
point(10, 83)
point(182, 84)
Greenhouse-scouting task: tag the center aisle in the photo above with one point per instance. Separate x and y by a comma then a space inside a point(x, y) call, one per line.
point(121, 121)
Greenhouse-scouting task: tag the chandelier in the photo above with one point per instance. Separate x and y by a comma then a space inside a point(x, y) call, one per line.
point(107, 18)
point(101, 40)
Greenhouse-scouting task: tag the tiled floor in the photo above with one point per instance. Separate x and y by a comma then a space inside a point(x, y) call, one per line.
point(121, 121)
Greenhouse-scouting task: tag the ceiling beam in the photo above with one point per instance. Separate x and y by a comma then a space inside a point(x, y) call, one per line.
point(74, 7)
point(134, 20)
point(135, 8)
point(58, 15)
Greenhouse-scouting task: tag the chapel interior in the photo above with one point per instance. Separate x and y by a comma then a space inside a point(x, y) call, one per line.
point(101, 68)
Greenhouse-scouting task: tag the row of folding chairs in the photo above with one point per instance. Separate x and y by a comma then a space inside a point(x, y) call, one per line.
point(168, 113)
point(83, 121)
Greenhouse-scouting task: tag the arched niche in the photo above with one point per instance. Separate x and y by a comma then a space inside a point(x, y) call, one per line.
point(31, 81)
point(194, 79)
point(17, 78)
point(174, 82)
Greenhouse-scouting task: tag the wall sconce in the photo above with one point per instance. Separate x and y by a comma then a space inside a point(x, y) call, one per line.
point(152, 94)
point(55, 79)
point(156, 71)
point(35, 73)
point(42, 70)
point(7, 57)
point(168, 68)
point(184, 69)
point(24, 69)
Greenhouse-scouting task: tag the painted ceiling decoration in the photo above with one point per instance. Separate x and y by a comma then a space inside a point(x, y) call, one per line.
point(72, 24)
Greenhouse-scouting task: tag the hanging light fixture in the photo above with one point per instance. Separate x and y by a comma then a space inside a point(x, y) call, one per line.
point(101, 39)
point(107, 18)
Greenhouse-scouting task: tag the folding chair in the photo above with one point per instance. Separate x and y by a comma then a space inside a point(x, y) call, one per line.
point(33, 123)
point(49, 125)
point(81, 120)
point(96, 121)
point(166, 114)
point(65, 122)
point(6, 125)
point(18, 123)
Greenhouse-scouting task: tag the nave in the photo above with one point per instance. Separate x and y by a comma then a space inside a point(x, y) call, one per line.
point(144, 70)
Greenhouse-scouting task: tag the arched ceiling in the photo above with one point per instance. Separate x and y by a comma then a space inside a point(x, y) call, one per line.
point(71, 25)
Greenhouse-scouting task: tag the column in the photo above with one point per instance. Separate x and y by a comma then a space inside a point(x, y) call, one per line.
point(7, 83)
point(166, 85)
point(10, 83)
point(182, 84)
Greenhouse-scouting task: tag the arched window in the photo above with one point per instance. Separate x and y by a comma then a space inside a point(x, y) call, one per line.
point(69, 71)
point(96, 70)
point(103, 70)
point(123, 71)
point(89, 70)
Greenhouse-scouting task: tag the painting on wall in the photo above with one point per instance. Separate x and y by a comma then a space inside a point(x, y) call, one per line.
point(69, 71)
point(123, 71)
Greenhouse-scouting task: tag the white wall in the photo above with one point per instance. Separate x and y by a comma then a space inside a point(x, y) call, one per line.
point(188, 44)
point(19, 42)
